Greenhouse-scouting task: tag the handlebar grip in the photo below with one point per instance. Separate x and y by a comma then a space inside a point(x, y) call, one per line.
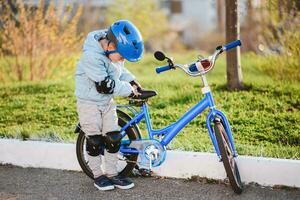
point(162, 69)
point(232, 45)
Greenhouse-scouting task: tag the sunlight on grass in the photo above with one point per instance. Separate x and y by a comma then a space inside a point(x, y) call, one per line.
point(264, 117)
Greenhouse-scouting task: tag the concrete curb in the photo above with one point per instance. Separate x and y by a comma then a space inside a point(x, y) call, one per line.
point(179, 164)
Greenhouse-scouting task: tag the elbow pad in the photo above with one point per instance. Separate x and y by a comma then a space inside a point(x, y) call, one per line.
point(106, 86)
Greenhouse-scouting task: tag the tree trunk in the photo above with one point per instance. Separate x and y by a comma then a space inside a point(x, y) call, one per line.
point(234, 71)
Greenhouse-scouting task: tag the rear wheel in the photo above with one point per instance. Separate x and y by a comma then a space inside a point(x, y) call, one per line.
point(126, 162)
point(228, 160)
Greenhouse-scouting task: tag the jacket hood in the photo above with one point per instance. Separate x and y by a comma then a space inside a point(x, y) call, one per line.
point(91, 43)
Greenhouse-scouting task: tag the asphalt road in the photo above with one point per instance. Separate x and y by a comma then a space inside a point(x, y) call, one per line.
point(32, 183)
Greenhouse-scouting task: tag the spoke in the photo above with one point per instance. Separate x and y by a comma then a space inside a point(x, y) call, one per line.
point(231, 161)
point(228, 151)
point(227, 144)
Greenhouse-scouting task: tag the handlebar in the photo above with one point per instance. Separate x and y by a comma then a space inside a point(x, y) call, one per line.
point(232, 45)
point(162, 69)
point(201, 67)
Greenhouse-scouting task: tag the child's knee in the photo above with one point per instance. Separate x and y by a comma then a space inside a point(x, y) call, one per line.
point(113, 141)
point(94, 144)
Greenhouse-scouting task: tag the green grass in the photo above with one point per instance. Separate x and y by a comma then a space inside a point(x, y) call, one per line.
point(264, 117)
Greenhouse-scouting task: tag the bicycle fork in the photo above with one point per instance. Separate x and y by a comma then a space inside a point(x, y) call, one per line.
point(216, 116)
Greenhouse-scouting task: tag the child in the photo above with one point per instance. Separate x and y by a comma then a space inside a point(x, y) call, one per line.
point(100, 76)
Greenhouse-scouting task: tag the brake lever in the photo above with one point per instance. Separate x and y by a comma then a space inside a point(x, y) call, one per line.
point(170, 62)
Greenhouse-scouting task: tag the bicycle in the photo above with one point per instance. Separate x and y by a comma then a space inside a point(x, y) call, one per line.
point(145, 153)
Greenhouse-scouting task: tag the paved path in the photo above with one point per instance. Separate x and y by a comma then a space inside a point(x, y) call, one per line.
point(30, 183)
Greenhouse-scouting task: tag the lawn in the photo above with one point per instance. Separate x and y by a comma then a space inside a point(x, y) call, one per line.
point(264, 117)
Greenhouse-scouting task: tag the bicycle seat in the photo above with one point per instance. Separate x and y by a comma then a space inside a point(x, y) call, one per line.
point(145, 94)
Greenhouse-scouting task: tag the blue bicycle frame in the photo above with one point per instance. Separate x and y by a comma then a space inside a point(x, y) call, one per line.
point(169, 132)
point(172, 130)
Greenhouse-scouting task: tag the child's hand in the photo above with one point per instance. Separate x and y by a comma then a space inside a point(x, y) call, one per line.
point(137, 88)
point(136, 85)
point(135, 92)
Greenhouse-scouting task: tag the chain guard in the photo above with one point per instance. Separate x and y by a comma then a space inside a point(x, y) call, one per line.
point(151, 152)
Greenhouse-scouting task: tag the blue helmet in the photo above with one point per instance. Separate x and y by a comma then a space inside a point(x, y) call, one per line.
point(127, 39)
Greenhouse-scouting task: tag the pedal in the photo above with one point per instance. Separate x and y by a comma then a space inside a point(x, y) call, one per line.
point(137, 171)
point(145, 172)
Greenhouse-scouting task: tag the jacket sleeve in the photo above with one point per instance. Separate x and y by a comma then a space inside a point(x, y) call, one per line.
point(95, 69)
point(122, 88)
point(93, 66)
point(125, 74)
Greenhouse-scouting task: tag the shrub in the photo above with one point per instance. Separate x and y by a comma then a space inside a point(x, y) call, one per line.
point(282, 33)
point(35, 39)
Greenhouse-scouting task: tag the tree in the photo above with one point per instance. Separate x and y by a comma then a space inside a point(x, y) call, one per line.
point(234, 71)
point(280, 22)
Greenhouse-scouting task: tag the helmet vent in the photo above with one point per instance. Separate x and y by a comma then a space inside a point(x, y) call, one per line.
point(125, 29)
point(135, 44)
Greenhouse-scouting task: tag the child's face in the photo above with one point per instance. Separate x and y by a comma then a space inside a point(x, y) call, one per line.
point(114, 57)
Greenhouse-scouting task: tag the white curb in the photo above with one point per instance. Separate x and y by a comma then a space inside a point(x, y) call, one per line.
point(179, 164)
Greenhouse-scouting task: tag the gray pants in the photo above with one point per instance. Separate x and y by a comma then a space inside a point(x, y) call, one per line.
point(98, 120)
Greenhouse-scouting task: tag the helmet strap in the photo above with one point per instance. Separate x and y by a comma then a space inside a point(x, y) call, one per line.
point(107, 52)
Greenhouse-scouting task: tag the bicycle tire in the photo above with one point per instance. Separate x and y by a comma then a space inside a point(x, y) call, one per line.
point(228, 160)
point(132, 133)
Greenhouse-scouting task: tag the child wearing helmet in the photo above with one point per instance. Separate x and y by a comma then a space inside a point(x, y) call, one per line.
point(100, 76)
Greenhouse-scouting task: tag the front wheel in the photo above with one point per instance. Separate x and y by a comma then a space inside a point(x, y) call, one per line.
point(227, 155)
point(126, 162)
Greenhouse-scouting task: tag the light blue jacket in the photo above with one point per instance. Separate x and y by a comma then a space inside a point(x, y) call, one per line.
point(94, 66)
